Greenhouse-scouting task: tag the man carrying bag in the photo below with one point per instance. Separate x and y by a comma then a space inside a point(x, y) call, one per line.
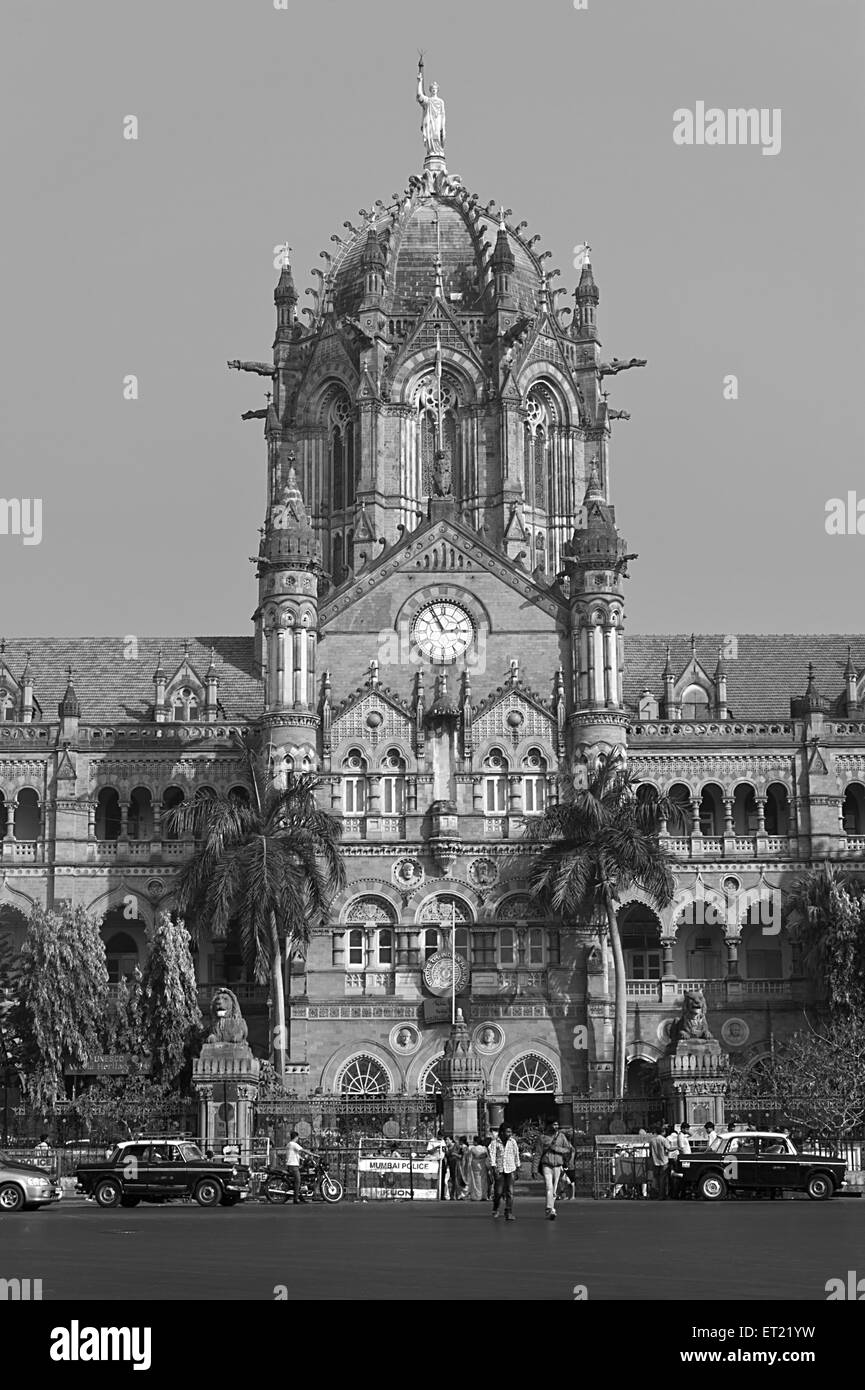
point(553, 1153)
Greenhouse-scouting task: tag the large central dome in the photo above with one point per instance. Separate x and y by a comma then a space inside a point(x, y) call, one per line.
point(410, 236)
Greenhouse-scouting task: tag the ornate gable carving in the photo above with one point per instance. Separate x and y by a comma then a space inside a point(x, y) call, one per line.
point(369, 717)
point(513, 714)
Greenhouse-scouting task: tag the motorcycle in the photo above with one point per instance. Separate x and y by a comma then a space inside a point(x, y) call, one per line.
point(315, 1183)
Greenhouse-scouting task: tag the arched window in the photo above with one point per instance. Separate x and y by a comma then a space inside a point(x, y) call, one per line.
point(139, 821)
point(7, 704)
point(712, 810)
point(534, 783)
point(121, 955)
point(341, 443)
point(853, 810)
point(426, 401)
point(531, 1074)
point(680, 824)
point(371, 924)
point(695, 703)
point(27, 815)
point(172, 798)
point(364, 1076)
point(431, 1078)
point(536, 469)
point(107, 825)
point(641, 943)
point(354, 769)
point(495, 783)
point(393, 784)
point(777, 814)
point(184, 705)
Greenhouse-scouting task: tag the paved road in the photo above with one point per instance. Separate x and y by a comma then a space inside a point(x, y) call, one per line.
point(619, 1250)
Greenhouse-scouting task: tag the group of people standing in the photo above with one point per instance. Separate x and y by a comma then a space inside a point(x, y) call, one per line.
point(666, 1147)
point(487, 1169)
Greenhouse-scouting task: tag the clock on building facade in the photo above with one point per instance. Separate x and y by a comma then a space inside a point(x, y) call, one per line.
point(443, 631)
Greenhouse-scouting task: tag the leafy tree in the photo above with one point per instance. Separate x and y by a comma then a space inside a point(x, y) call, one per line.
point(827, 915)
point(124, 1103)
point(272, 864)
point(124, 1027)
point(599, 840)
point(170, 1019)
point(815, 1080)
point(63, 997)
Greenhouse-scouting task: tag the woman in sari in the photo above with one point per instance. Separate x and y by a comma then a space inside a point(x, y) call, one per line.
point(476, 1171)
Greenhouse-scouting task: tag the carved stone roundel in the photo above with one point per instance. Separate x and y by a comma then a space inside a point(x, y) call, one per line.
point(438, 973)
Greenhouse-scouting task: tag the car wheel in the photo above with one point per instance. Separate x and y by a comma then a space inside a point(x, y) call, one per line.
point(277, 1189)
point(129, 1201)
point(108, 1193)
point(207, 1193)
point(820, 1187)
point(11, 1197)
point(712, 1187)
point(331, 1189)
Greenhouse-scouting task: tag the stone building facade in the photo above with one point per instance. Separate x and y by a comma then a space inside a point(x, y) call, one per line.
point(440, 632)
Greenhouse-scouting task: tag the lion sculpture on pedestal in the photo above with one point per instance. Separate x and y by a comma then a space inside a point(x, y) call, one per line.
point(227, 1022)
point(692, 1025)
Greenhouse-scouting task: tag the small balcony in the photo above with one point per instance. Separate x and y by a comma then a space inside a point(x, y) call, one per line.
point(719, 993)
point(22, 852)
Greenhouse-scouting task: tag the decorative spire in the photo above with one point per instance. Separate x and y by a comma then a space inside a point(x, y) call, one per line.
point(667, 673)
point(693, 647)
point(211, 670)
point(70, 706)
point(721, 668)
point(26, 676)
point(850, 669)
point(159, 673)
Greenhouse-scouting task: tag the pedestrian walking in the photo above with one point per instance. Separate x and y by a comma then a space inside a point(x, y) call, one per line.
point(659, 1157)
point(505, 1157)
point(553, 1152)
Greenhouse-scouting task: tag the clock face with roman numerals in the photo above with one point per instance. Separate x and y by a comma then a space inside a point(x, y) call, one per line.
point(443, 630)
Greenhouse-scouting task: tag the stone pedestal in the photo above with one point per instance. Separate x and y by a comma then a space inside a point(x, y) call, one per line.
point(693, 1078)
point(462, 1081)
point(225, 1077)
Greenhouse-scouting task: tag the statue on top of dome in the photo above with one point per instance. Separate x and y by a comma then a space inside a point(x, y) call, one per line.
point(433, 123)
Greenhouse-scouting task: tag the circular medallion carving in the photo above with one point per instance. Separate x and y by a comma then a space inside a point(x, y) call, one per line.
point(735, 1032)
point(408, 873)
point(488, 1039)
point(483, 873)
point(404, 1038)
point(155, 887)
point(438, 973)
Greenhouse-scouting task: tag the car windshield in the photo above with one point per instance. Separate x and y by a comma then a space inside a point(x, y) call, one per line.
point(191, 1153)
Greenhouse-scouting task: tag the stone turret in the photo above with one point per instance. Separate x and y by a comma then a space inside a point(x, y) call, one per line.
point(289, 566)
point(596, 562)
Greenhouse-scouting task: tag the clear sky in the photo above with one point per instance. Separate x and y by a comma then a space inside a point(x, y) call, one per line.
point(154, 257)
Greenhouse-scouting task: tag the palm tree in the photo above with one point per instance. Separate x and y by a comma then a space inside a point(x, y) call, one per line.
point(598, 841)
point(272, 864)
